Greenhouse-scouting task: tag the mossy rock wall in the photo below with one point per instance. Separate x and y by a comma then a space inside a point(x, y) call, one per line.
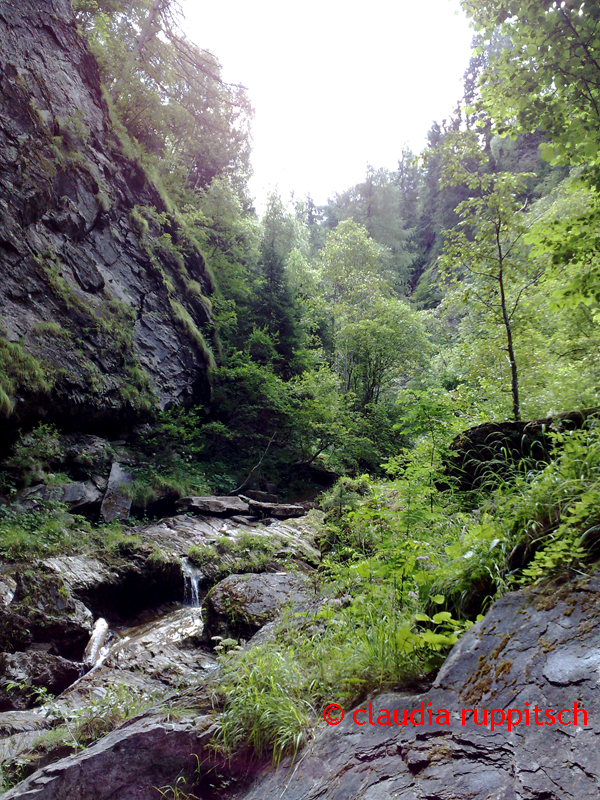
point(104, 297)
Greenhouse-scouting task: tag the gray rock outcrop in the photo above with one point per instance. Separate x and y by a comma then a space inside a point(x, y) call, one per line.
point(26, 672)
point(534, 648)
point(131, 763)
point(43, 613)
point(116, 503)
point(232, 506)
point(77, 497)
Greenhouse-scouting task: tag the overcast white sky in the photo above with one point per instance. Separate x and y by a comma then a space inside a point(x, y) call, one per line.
point(335, 84)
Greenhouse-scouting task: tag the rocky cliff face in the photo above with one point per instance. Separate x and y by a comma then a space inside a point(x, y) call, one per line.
point(104, 298)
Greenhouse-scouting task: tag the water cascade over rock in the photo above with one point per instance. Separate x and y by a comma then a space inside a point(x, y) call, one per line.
point(192, 577)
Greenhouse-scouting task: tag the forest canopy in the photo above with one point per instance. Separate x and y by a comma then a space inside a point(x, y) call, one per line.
point(470, 271)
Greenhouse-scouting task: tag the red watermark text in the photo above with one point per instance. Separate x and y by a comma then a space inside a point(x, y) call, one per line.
point(333, 714)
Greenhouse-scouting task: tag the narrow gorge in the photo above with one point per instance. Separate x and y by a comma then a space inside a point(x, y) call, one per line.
point(297, 501)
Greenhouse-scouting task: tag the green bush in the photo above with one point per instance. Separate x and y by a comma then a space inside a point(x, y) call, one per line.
point(35, 451)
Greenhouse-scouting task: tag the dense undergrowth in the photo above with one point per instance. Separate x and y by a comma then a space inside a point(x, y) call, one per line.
point(407, 568)
point(409, 563)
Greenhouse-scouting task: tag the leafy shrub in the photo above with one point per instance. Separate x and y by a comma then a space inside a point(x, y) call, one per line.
point(35, 452)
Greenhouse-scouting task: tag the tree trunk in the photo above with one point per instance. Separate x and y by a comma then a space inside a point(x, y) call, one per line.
point(509, 341)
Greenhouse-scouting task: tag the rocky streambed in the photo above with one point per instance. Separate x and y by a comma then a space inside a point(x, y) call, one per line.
point(136, 626)
point(535, 648)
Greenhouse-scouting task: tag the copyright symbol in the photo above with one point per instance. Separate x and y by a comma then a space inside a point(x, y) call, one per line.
point(333, 714)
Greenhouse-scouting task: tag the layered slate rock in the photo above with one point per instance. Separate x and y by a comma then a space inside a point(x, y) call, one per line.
point(25, 672)
point(233, 506)
point(42, 613)
point(276, 510)
point(533, 648)
point(175, 535)
point(492, 449)
point(89, 311)
point(77, 497)
point(214, 506)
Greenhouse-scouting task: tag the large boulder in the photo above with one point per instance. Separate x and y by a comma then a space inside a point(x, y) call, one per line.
point(492, 449)
point(79, 497)
point(132, 763)
point(240, 605)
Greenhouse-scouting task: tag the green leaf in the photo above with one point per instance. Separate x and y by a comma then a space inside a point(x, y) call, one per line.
point(437, 598)
point(547, 152)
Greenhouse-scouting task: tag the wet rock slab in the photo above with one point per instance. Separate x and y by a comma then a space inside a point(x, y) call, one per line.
point(175, 535)
point(159, 654)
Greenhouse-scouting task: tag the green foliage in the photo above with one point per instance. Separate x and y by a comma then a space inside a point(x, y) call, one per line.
point(168, 93)
point(272, 693)
point(483, 253)
point(245, 553)
point(265, 710)
point(19, 369)
point(176, 792)
point(36, 451)
point(104, 711)
point(184, 316)
point(545, 75)
point(45, 531)
point(382, 204)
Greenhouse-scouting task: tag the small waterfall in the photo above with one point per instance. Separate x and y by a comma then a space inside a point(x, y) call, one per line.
point(191, 578)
